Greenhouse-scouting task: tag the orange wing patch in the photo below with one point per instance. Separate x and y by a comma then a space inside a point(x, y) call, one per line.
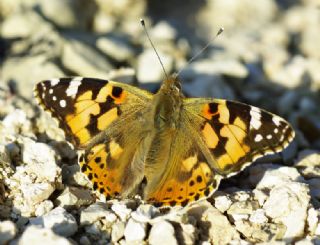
point(96, 165)
point(194, 181)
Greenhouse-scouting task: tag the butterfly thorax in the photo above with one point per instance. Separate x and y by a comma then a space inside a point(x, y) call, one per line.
point(167, 105)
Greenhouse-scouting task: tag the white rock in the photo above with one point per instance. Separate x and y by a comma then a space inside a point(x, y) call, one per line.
point(40, 160)
point(189, 234)
point(220, 230)
point(313, 220)
point(37, 192)
point(222, 203)
point(135, 231)
point(44, 207)
point(308, 163)
point(288, 204)
point(39, 236)
point(231, 68)
point(75, 196)
point(121, 210)
point(117, 231)
point(144, 213)
point(93, 213)
point(258, 217)
point(16, 121)
point(115, 47)
point(8, 231)
point(163, 31)
point(162, 233)
point(60, 221)
point(84, 60)
point(260, 196)
point(20, 25)
point(149, 69)
point(270, 175)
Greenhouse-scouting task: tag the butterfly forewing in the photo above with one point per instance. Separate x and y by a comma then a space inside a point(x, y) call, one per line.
point(236, 134)
point(86, 107)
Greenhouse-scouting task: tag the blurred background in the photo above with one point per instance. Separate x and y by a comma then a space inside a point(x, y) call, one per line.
point(268, 55)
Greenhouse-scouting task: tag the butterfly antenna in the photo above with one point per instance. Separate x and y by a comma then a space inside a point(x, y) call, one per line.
point(202, 50)
point(145, 30)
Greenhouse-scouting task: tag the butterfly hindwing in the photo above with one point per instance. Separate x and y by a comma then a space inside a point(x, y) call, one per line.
point(184, 177)
point(236, 134)
point(85, 107)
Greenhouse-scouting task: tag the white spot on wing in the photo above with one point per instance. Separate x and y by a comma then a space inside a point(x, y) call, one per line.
point(275, 130)
point(54, 81)
point(72, 90)
point(54, 98)
point(50, 91)
point(258, 138)
point(62, 103)
point(269, 136)
point(255, 121)
point(276, 120)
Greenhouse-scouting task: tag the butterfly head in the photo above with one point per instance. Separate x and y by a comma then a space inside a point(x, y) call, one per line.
point(172, 86)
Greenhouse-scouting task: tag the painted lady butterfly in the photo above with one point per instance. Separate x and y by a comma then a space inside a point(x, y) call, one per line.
point(174, 149)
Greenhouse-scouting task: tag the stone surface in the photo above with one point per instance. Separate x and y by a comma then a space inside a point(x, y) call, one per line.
point(8, 231)
point(37, 236)
point(60, 221)
point(162, 233)
point(135, 231)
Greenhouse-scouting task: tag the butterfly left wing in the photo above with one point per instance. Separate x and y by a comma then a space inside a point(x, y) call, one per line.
point(104, 120)
point(232, 135)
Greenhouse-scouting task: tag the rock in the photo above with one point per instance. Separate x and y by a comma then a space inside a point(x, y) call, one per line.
point(117, 231)
point(314, 185)
point(44, 207)
point(93, 213)
point(163, 31)
point(313, 221)
point(115, 47)
point(232, 68)
point(288, 204)
point(21, 24)
point(84, 60)
point(17, 122)
point(144, 213)
point(241, 210)
point(208, 86)
point(149, 69)
point(59, 220)
point(240, 14)
point(34, 193)
point(74, 196)
point(222, 203)
point(8, 231)
point(121, 210)
point(19, 71)
point(38, 236)
point(308, 163)
point(271, 175)
point(189, 234)
point(162, 233)
point(213, 226)
point(84, 240)
point(258, 217)
point(292, 74)
point(103, 23)
point(42, 165)
point(135, 231)
point(70, 10)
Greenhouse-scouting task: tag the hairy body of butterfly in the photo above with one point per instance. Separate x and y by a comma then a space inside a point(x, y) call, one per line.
point(178, 147)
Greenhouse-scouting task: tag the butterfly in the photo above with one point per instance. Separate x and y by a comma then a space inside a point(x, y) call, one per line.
point(169, 149)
